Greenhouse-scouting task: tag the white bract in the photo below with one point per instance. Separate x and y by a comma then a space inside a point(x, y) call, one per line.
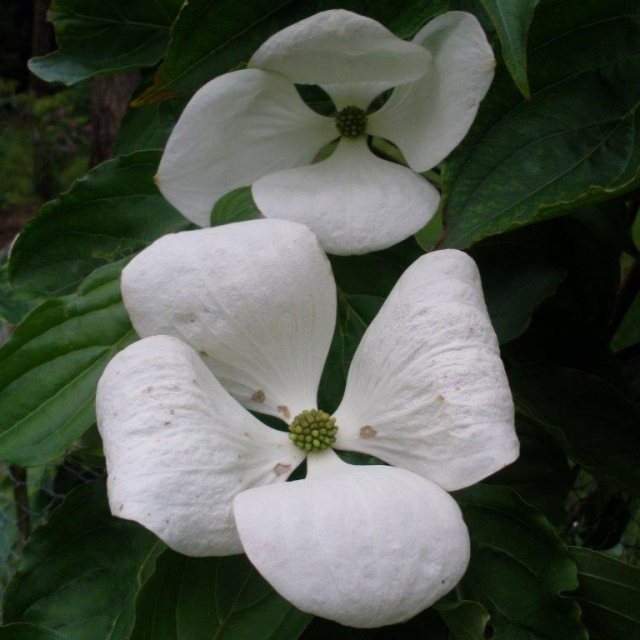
point(241, 317)
point(251, 127)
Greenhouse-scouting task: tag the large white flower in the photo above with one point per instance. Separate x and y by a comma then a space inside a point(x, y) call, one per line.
point(241, 317)
point(251, 127)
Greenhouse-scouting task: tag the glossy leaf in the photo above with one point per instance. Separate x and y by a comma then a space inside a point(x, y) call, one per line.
point(512, 20)
point(80, 573)
point(595, 424)
point(519, 567)
point(211, 37)
point(110, 214)
point(97, 37)
point(204, 598)
point(609, 595)
point(51, 365)
point(574, 141)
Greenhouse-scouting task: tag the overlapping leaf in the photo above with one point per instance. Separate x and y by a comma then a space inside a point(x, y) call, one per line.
point(595, 424)
point(519, 568)
point(111, 213)
point(574, 141)
point(609, 595)
point(96, 37)
point(51, 365)
point(204, 598)
point(80, 573)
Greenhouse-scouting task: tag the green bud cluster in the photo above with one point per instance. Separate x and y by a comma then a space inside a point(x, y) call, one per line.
point(313, 430)
point(351, 122)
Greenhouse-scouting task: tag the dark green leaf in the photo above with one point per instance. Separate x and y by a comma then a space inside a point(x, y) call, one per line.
point(597, 426)
point(541, 475)
point(51, 365)
point(235, 206)
point(14, 303)
point(466, 620)
point(204, 598)
point(609, 595)
point(97, 37)
point(147, 127)
point(111, 213)
point(519, 567)
point(80, 573)
point(211, 37)
point(517, 275)
point(355, 312)
point(512, 21)
point(23, 631)
point(628, 333)
point(574, 141)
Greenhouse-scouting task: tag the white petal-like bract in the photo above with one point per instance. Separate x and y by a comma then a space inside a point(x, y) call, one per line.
point(256, 299)
point(236, 128)
point(339, 48)
point(353, 201)
point(429, 118)
point(179, 447)
point(365, 546)
point(427, 389)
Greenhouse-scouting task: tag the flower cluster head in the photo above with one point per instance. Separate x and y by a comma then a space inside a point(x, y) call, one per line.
point(240, 318)
point(251, 127)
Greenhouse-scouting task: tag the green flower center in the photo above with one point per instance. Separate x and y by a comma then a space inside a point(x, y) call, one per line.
point(351, 122)
point(313, 430)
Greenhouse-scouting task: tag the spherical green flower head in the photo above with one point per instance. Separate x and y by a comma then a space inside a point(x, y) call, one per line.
point(351, 122)
point(313, 430)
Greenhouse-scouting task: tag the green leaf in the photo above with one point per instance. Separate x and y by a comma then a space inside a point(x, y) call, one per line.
point(211, 37)
point(355, 312)
point(512, 21)
point(109, 214)
point(519, 567)
point(517, 275)
point(14, 303)
point(595, 424)
point(204, 598)
point(235, 206)
point(466, 620)
point(97, 37)
point(147, 127)
point(80, 572)
point(628, 333)
point(609, 595)
point(23, 631)
point(541, 475)
point(51, 365)
point(574, 141)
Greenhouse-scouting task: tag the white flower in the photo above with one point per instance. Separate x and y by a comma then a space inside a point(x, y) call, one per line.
point(251, 127)
point(249, 308)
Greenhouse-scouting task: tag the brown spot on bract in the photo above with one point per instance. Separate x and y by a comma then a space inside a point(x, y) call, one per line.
point(202, 352)
point(258, 396)
point(284, 410)
point(368, 432)
point(120, 508)
point(167, 423)
point(280, 468)
point(440, 398)
point(172, 412)
point(148, 390)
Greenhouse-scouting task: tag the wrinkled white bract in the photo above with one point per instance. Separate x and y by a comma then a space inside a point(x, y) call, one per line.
point(251, 127)
point(241, 317)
